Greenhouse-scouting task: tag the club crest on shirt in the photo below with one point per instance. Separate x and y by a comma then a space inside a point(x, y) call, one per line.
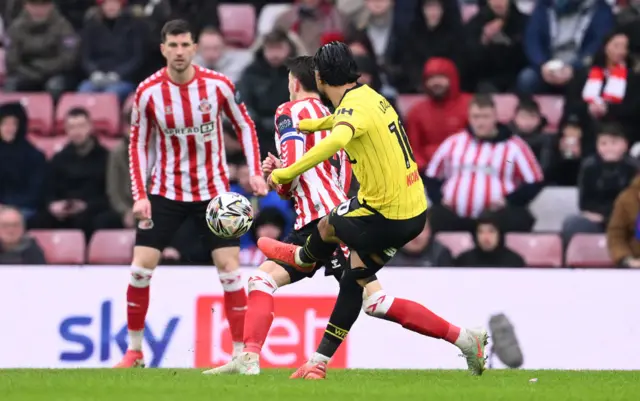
point(205, 106)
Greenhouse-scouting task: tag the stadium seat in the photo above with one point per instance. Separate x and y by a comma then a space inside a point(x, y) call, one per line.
point(457, 242)
point(49, 145)
point(468, 11)
point(552, 206)
point(505, 107)
point(538, 250)
point(269, 15)
point(62, 247)
point(238, 23)
point(406, 102)
point(39, 108)
point(588, 250)
point(111, 247)
point(102, 107)
point(551, 107)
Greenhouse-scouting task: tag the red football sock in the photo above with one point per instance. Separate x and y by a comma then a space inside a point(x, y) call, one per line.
point(415, 317)
point(258, 320)
point(235, 307)
point(137, 306)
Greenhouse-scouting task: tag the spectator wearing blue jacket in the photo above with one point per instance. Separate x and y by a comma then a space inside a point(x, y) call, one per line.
point(561, 37)
point(272, 200)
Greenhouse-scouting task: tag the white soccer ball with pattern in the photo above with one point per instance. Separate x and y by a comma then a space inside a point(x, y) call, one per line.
point(229, 215)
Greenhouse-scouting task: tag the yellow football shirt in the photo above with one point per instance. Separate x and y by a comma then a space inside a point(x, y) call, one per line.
point(381, 157)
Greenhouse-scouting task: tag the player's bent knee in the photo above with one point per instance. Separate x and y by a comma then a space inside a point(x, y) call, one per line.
point(262, 281)
point(146, 257)
point(377, 304)
point(277, 272)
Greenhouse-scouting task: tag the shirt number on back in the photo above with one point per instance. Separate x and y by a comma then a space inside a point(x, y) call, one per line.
point(403, 141)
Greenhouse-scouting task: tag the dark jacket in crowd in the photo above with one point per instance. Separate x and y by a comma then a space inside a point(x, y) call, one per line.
point(119, 179)
point(500, 61)
point(263, 88)
point(37, 51)
point(501, 256)
point(27, 252)
point(434, 255)
point(75, 10)
point(199, 13)
point(628, 21)
point(82, 177)
point(423, 43)
point(537, 39)
point(542, 144)
point(600, 183)
point(113, 45)
point(22, 166)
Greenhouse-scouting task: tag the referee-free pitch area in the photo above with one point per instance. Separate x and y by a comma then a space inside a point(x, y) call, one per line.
point(369, 385)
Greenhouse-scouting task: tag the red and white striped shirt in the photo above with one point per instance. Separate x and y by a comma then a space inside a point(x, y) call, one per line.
point(319, 190)
point(176, 135)
point(479, 173)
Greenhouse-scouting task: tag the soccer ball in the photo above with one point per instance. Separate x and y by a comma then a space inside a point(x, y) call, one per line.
point(229, 215)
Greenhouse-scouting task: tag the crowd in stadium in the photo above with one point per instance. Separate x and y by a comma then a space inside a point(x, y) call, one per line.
point(554, 82)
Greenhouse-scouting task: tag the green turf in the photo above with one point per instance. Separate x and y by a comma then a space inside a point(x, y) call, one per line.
point(369, 385)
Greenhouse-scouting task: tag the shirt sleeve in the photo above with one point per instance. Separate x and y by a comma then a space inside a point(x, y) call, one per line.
point(290, 142)
point(527, 168)
point(437, 165)
point(351, 118)
point(244, 126)
point(139, 155)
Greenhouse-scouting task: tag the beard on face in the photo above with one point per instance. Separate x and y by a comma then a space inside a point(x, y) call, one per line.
point(437, 91)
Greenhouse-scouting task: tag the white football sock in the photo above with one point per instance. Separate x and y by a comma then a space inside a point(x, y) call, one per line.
point(317, 358)
point(135, 340)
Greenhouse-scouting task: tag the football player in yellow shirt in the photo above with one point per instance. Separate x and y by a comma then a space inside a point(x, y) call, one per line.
point(388, 212)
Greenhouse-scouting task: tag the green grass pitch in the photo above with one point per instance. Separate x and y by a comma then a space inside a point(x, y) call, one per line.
point(369, 385)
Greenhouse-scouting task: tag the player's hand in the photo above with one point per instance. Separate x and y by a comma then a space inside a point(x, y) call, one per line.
point(270, 163)
point(58, 209)
point(142, 209)
point(258, 185)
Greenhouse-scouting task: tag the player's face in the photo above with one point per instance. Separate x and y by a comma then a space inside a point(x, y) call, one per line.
point(483, 121)
point(78, 129)
point(320, 84)
point(11, 227)
point(8, 128)
point(179, 51)
point(487, 237)
point(611, 148)
point(292, 87)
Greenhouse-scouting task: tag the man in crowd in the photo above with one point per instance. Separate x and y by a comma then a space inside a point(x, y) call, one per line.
point(423, 251)
point(484, 167)
point(15, 247)
point(214, 55)
point(76, 184)
point(41, 49)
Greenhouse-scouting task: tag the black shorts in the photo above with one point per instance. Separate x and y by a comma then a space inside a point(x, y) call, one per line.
point(373, 234)
point(168, 215)
point(333, 267)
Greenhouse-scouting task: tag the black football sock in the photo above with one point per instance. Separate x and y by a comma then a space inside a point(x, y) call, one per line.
point(316, 249)
point(344, 315)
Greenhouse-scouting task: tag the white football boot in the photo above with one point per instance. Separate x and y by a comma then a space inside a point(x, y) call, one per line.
point(472, 343)
point(246, 364)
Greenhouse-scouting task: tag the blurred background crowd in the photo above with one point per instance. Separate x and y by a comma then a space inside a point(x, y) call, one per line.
point(559, 80)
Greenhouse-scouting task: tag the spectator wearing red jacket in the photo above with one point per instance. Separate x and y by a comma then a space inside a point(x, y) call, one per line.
point(441, 114)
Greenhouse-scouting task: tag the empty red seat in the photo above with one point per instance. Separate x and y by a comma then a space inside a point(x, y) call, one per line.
point(538, 250)
point(457, 242)
point(588, 250)
point(505, 106)
point(238, 23)
point(551, 107)
point(103, 108)
point(49, 145)
point(111, 247)
point(405, 103)
point(39, 108)
point(62, 247)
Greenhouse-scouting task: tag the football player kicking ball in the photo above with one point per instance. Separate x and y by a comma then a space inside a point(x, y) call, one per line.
point(316, 193)
point(389, 211)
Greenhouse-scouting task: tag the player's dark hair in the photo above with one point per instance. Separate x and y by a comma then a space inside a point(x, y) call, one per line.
point(78, 112)
point(175, 27)
point(335, 64)
point(482, 101)
point(301, 68)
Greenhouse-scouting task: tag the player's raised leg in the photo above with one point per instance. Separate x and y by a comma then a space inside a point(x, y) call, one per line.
point(227, 262)
point(417, 318)
point(258, 319)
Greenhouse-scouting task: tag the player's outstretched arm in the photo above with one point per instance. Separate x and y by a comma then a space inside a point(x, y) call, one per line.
point(326, 148)
point(315, 124)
